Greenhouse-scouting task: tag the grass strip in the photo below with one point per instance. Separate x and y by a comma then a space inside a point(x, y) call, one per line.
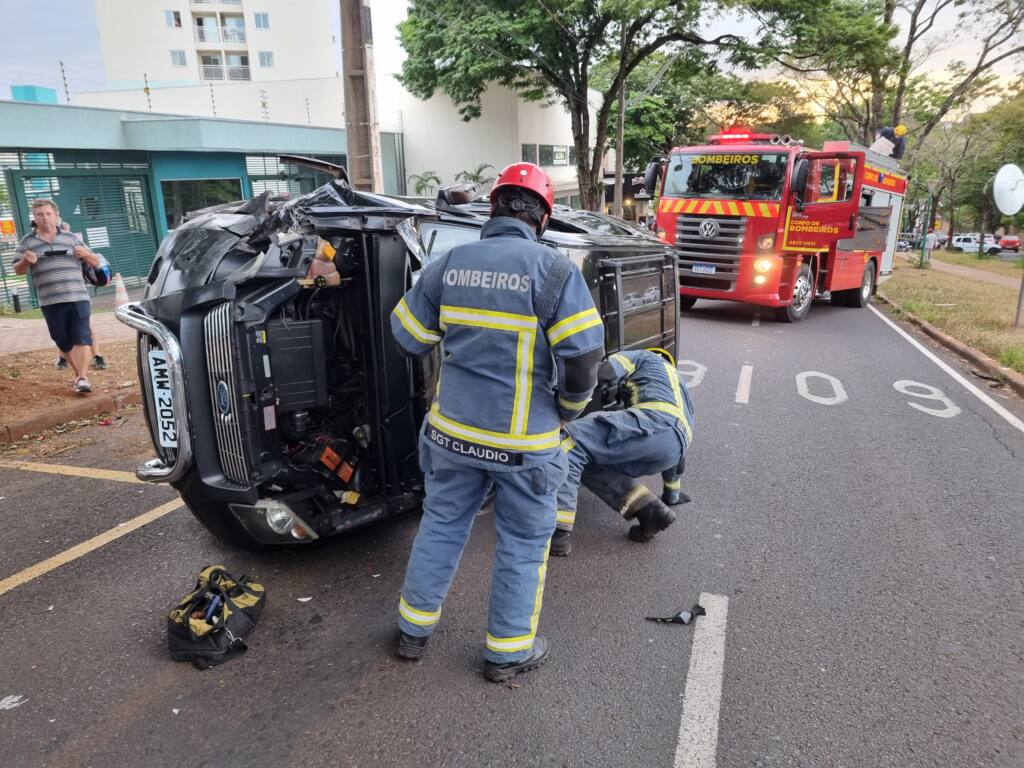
point(978, 314)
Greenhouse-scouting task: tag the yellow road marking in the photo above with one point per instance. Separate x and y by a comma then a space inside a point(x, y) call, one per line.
point(77, 551)
point(62, 469)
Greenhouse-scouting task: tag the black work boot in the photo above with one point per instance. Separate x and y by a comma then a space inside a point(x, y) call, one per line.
point(411, 647)
point(651, 518)
point(674, 498)
point(499, 673)
point(561, 543)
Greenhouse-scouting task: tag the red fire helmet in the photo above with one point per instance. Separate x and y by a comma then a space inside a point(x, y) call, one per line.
point(528, 176)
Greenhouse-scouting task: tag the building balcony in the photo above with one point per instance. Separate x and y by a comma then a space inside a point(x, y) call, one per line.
point(232, 34)
point(239, 73)
point(213, 72)
point(207, 35)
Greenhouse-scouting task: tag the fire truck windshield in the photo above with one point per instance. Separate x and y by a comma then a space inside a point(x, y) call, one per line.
point(733, 175)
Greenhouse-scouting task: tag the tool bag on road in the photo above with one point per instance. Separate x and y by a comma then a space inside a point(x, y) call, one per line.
point(206, 626)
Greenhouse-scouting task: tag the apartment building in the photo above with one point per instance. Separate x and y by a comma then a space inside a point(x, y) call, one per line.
point(192, 42)
point(278, 60)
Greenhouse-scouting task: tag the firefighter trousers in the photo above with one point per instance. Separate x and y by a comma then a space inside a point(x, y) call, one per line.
point(608, 451)
point(524, 519)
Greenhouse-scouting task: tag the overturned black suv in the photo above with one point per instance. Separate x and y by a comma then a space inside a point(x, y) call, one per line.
point(279, 405)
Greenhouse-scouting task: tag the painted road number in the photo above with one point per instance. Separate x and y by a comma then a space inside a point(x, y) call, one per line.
point(160, 377)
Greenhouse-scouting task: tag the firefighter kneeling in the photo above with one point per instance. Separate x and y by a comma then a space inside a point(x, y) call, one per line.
point(608, 450)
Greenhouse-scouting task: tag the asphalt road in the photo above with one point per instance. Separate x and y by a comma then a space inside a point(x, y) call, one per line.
point(864, 558)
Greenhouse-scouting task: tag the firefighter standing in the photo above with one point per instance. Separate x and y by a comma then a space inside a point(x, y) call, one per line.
point(607, 450)
point(521, 342)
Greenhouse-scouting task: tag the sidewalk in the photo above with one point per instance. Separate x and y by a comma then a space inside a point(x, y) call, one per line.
point(970, 273)
point(18, 336)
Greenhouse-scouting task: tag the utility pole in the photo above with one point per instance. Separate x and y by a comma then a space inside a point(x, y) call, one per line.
point(361, 129)
point(620, 133)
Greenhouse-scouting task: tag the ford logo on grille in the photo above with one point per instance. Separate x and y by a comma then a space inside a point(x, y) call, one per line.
point(223, 398)
point(708, 229)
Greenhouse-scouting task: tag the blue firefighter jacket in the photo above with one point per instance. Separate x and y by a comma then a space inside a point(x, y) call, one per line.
point(499, 402)
point(653, 390)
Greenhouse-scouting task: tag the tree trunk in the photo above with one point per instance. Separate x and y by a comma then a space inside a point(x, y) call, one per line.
point(619, 133)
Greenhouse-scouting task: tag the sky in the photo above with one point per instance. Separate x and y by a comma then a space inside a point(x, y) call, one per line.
point(71, 37)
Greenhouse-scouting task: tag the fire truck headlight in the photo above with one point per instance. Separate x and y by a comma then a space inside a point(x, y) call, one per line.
point(765, 242)
point(662, 234)
point(760, 279)
point(763, 265)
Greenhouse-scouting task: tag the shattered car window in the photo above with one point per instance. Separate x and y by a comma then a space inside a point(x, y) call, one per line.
point(446, 238)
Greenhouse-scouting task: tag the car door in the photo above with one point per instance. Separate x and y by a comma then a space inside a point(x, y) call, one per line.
point(825, 212)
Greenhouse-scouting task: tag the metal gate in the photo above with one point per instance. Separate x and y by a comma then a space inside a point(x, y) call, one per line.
point(110, 208)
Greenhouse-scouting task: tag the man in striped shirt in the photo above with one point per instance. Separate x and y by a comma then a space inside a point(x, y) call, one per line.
point(55, 260)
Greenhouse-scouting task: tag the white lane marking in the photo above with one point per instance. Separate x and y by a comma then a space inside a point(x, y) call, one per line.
point(743, 387)
point(756, 321)
point(906, 387)
point(838, 392)
point(77, 551)
point(10, 702)
point(1012, 420)
point(694, 377)
point(698, 727)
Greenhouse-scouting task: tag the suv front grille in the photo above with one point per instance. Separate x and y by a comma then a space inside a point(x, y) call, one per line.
point(722, 252)
point(217, 332)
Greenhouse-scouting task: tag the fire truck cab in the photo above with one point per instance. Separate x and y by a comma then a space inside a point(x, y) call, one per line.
point(761, 219)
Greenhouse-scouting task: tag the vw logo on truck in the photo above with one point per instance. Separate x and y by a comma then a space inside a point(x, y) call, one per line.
point(708, 229)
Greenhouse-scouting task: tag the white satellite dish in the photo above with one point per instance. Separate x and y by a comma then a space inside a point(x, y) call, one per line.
point(1008, 189)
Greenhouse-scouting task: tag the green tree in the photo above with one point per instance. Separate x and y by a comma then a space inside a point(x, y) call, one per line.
point(478, 175)
point(425, 183)
point(886, 85)
point(546, 49)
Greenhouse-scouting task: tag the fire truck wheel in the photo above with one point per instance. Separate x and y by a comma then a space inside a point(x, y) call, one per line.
point(803, 294)
point(686, 303)
point(858, 297)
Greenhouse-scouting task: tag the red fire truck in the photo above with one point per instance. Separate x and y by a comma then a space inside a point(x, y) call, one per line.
point(761, 219)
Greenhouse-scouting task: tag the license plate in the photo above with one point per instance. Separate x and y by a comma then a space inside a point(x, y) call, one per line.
point(703, 269)
point(163, 403)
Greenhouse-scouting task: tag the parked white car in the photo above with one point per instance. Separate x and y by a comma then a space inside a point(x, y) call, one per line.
point(972, 244)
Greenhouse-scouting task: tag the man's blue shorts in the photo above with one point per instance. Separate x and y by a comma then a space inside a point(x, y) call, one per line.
point(68, 323)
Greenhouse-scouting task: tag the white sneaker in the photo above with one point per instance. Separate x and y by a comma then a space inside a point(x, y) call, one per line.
point(82, 385)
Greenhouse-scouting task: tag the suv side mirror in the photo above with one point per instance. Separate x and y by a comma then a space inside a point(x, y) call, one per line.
point(651, 175)
point(798, 181)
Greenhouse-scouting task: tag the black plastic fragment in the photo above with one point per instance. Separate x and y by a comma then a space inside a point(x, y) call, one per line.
point(683, 617)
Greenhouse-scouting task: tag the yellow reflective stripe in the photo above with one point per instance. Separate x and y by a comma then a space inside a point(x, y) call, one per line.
point(535, 442)
point(635, 494)
point(673, 485)
point(524, 382)
point(625, 362)
point(569, 405)
point(414, 326)
point(673, 378)
point(652, 405)
point(487, 318)
point(524, 642)
point(566, 516)
point(567, 444)
point(415, 616)
point(563, 329)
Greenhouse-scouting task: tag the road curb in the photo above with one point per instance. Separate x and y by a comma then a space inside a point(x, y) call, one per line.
point(1012, 379)
point(87, 408)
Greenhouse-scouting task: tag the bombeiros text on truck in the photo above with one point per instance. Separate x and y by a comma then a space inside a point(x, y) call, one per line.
point(759, 218)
